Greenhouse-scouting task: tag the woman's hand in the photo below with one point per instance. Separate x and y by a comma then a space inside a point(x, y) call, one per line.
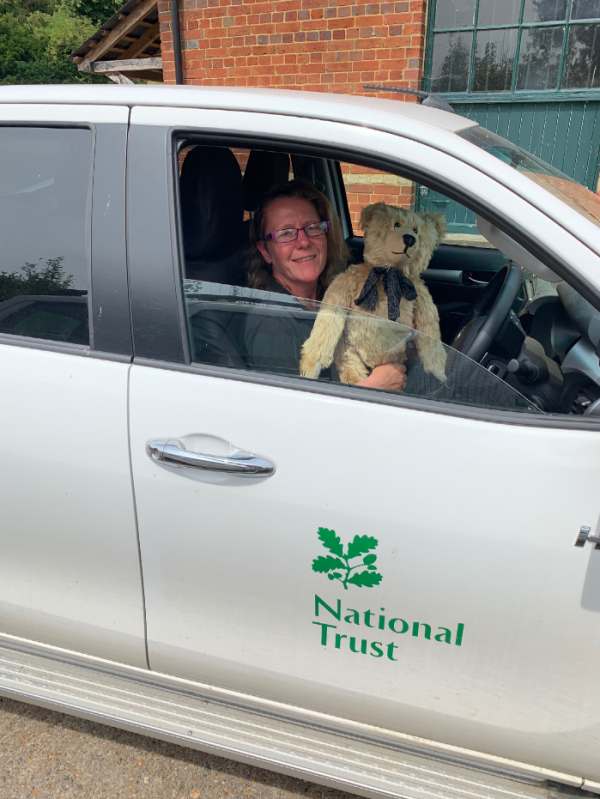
point(387, 376)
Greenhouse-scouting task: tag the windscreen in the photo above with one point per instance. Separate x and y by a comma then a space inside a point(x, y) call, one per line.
point(563, 187)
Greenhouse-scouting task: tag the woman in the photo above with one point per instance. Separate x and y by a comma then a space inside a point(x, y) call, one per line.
point(298, 251)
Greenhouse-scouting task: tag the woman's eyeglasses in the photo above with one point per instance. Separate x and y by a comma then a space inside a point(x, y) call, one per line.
point(313, 230)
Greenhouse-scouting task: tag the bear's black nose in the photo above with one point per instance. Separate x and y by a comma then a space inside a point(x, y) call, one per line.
point(408, 239)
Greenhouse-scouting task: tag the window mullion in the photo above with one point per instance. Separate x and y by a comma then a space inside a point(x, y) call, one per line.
point(513, 83)
point(471, 76)
point(563, 55)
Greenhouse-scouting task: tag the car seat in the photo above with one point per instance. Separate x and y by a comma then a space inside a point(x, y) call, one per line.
point(214, 242)
point(264, 170)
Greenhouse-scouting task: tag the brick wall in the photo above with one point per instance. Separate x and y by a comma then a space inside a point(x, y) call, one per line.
point(302, 44)
point(365, 186)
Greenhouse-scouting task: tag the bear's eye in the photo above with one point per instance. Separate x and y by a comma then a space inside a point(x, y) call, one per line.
point(397, 225)
point(415, 230)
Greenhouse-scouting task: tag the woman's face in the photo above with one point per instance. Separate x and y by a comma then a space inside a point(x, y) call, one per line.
point(296, 265)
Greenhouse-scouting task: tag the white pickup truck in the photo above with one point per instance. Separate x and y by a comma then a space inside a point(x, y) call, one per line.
point(393, 593)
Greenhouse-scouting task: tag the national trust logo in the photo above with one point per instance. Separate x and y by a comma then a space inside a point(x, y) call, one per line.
point(351, 564)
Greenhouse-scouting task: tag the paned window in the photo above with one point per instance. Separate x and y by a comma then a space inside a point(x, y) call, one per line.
point(515, 45)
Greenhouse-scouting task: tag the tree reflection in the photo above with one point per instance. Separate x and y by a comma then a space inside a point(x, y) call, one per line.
point(493, 69)
point(544, 10)
point(454, 70)
point(583, 70)
point(36, 279)
point(540, 58)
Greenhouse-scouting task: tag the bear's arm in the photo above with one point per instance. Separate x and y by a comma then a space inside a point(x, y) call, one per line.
point(319, 348)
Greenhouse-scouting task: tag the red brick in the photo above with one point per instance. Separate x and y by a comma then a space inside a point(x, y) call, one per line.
point(315, 44)
point(313, 25)
point(398, 19)
point(335, 24)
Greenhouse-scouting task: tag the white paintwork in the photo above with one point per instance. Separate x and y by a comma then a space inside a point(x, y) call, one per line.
point(320, 105)
point(69, 568)
point(568, 237)
point(78, 114)
point(475, 526)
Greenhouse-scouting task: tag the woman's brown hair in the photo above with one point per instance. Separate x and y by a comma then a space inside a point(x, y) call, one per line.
point(259, 271)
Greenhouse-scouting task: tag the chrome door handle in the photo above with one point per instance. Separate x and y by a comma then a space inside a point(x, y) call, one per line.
point(242, 464)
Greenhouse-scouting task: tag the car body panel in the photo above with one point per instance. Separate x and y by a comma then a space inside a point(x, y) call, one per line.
point(60, 112)
point(478, 642)
point(231, 595)
point(70, 560)
point(70, 569)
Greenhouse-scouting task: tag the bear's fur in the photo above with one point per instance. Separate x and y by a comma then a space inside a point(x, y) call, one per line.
point(359, 341)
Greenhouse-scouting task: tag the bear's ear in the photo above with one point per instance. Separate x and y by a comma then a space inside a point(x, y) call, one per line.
point(438, 222)
point(367, 214)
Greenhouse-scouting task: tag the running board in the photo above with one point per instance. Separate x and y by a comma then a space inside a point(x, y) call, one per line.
point(303, 750)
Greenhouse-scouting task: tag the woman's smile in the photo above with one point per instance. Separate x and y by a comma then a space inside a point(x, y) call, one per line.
point(297, 264)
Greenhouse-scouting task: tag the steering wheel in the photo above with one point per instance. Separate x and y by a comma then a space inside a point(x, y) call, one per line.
point(489, 312)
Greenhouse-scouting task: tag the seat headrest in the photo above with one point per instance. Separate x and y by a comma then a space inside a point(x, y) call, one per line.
point(263, 171)
point(211, 203)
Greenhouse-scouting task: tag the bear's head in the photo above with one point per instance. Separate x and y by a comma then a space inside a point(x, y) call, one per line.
point(400, 237)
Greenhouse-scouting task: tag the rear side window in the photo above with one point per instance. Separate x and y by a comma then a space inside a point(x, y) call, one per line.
point(45, 182)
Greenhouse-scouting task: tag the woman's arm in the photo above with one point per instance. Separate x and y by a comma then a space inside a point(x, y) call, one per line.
point(387, 376)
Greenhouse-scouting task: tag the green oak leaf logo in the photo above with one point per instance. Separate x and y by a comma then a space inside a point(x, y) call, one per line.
point(353, 564)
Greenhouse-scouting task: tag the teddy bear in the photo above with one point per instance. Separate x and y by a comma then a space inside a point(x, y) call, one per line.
point(398, 245)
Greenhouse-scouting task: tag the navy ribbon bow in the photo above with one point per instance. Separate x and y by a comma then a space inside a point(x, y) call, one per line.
point(395, 285)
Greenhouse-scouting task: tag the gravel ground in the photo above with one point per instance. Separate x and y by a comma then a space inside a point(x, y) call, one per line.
point(48, 755)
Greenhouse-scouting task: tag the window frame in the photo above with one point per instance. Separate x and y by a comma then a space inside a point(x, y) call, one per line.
point(543, 95)
point(158, 307)
point(109, 319)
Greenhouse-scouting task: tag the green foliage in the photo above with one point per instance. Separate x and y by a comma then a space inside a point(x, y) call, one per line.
point(363, 574)
point(38, 36)
point(98, 11)
point(365, 579)
point(325, 563)
point(330, 541)
point(50, 279)
point(361, 544)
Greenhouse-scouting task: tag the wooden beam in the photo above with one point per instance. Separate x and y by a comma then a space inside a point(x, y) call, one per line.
point(127, 23)
point(126, 65)
point(140, 44)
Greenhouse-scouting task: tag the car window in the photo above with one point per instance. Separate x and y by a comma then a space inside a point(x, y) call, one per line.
point(470, 326)
point(45, 179)
point(364, 185)
point(237, 327)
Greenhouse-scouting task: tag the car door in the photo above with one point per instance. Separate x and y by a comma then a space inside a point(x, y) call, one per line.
point(406, 563)
point(69, 569)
